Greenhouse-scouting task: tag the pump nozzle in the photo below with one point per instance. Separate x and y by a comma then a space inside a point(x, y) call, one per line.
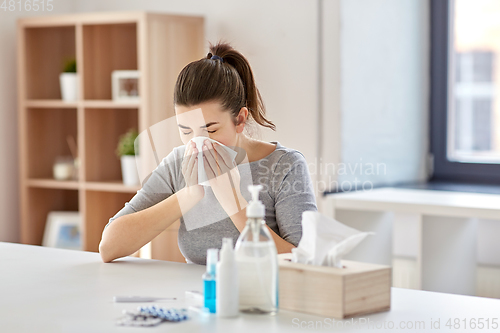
point(255, 189)
point(255, 208)
point(226, 252)
point(212, 258)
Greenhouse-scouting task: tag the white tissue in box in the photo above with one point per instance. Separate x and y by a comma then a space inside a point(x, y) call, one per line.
point(324, 240)
point(202, 175)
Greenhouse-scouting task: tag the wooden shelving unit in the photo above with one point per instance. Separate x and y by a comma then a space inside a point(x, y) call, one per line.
point(156, 44)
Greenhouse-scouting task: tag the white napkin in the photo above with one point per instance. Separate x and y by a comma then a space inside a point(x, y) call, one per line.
point(202, 175)
point(324, 240)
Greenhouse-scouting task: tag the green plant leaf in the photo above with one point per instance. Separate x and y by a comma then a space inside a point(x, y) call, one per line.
point(70, 66)
point(126, 143)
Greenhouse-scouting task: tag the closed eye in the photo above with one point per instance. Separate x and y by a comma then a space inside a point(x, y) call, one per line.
point(187, 133)
point(204, 127)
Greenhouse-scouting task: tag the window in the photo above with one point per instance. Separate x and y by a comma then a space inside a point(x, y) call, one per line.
point(465, 90)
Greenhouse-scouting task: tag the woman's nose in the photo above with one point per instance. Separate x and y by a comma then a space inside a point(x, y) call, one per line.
point(199, 133)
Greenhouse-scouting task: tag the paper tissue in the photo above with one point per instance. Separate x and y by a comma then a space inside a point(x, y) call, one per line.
point(199, 140)
point(324, 240)
point(315, 279)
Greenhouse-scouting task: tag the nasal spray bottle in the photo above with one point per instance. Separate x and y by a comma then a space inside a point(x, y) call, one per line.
point(257, 260)
point(209, 280)
point(227, 281)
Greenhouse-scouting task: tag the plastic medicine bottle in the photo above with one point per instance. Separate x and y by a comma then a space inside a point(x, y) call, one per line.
point(227, 294)
point(209, 280)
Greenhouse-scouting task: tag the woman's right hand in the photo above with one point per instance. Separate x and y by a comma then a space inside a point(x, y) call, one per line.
point(190, 171)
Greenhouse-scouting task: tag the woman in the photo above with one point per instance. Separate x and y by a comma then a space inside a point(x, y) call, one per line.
point(221, 88)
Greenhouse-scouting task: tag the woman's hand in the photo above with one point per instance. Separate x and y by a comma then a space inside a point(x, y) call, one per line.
point(190, 171)
point(224, 177)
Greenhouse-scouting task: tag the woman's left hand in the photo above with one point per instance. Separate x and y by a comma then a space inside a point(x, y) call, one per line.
point(224, 177)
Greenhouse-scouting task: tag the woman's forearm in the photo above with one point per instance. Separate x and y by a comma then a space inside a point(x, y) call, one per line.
point(130, 232)
point(282, 246)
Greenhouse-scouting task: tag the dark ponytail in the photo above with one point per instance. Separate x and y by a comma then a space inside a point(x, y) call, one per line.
point(226, 78)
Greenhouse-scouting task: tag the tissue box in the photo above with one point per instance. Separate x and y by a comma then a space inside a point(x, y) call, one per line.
point(356, 289)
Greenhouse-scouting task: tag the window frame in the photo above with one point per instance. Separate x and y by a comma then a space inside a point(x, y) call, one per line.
point(444, 169)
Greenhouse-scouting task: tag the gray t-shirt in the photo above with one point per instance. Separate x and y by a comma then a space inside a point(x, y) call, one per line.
point(287, 192)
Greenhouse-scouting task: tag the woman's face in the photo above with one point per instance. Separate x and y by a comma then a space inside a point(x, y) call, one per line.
point(209, 119)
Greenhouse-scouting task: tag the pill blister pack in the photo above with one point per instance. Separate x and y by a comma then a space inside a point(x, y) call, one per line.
point(151, 316)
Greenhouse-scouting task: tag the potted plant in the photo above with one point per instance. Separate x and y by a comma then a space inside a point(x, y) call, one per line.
point(126, 152)
point(68, 80)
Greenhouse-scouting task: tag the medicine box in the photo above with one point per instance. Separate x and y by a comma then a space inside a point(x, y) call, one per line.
point(356, 289)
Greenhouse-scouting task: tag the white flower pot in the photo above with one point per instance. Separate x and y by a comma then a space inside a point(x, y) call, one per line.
point(63, 170)
point(69, 86)
point(129, 170)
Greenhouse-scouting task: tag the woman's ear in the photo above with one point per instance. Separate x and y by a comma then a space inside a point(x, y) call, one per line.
point(241, 119)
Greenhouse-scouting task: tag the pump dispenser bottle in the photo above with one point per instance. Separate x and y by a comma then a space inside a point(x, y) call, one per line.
point(257, 261)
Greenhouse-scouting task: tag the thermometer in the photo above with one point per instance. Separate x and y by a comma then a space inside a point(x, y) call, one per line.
point(138, 299)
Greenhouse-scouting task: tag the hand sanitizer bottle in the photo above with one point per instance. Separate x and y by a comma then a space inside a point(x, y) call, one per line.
point(209, 292)
point(257, 260)
point(227, 282)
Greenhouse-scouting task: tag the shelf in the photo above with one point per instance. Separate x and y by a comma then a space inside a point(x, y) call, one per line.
point(100, 207)
point(107, 47)
point(159, 45)
point(111, 186)
point(47, 132)
point(50, 103)
point(41, 201)
point(47, 49)
point(110, 104)
point(53, 183)
point(102, 104)
point(103, 128)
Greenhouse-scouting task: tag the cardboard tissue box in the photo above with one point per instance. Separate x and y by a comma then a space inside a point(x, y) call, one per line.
point(314, 279)
point(358, 288)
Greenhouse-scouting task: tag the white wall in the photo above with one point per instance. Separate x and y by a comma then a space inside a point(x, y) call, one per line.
point(328, 154)
point(385, 89)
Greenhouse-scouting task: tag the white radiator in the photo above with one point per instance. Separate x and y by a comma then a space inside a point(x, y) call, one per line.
point(488, 281)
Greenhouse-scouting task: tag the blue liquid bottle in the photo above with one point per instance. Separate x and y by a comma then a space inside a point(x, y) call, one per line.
point(209, 291)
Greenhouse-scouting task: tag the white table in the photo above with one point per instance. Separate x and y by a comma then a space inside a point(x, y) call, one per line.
point(52, 290)
point(447, 232)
